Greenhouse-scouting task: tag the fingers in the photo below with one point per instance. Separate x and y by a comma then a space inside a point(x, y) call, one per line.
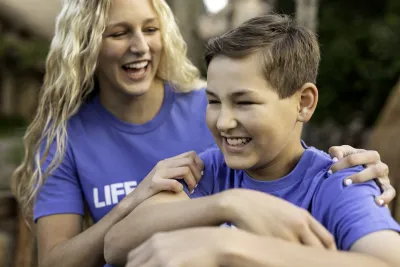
point(336, 152)
point(360, 158)
point(190, 159)
point(138, 256)
point(343, 151)
point(323, 235)
point(387, 196)
point(170, 185)
point(199, 163)
point(184, 172)
point(308, 238)
point(369, 173)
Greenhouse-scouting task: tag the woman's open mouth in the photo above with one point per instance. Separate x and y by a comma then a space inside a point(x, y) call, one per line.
point(137, 70)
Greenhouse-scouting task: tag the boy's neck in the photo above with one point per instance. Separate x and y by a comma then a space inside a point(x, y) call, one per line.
point(281, 165)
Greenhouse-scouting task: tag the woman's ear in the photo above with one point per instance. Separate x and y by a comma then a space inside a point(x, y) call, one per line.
point(308, 99)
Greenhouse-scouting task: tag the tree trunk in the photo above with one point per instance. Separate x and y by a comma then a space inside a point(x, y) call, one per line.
point(307, 13)
point(7, 91)
point(384, 139)
point(187, 14)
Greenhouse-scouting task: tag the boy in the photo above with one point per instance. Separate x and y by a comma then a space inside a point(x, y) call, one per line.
point(261, 89)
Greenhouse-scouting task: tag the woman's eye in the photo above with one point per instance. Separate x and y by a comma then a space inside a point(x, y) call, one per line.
point(213, 102)
point(118, 34)
point(151, 29)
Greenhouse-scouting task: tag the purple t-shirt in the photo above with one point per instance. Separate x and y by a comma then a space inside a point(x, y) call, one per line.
point(348, 212)
point(106, 158)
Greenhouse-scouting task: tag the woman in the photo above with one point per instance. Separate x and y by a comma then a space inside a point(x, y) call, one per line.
point(119, 96)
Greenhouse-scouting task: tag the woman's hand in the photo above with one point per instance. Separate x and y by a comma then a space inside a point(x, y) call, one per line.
point(187, 166)
point(264, 214)
point(194, 247)
point(348, 156)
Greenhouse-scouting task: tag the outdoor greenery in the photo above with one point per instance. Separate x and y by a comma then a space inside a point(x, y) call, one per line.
point(360, 44)
point(22, 53)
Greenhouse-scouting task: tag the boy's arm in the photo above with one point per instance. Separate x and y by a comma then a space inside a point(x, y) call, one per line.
point(228, 247)
point(264, 251)
point(164, 211)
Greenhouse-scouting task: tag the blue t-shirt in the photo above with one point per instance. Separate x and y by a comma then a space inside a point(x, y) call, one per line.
point(106, 158)
point(348, 212)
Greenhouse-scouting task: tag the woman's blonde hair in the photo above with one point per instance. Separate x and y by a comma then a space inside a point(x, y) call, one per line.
point(69, 79)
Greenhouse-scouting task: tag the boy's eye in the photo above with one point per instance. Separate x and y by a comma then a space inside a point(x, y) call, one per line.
point(213, 102)
point(245, 103)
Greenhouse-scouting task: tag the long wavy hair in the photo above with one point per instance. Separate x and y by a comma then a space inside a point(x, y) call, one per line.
point(69, 80)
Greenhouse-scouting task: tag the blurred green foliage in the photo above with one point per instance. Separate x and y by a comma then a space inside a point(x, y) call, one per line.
point(360, 46)
point(21, 54)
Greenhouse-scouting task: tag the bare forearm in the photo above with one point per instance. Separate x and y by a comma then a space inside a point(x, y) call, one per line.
point(86, 247)
point(255, 251)
point(151, 218)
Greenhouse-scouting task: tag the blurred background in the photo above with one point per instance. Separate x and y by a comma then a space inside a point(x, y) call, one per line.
point(358, 80)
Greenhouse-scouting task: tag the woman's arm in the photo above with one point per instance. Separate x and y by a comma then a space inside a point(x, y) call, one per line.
point(214, 247)
point(61, 241)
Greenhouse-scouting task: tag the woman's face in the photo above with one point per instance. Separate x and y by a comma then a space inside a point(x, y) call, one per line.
point(131, 49)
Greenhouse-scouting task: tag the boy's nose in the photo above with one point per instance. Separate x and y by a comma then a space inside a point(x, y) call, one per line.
point(226, 121)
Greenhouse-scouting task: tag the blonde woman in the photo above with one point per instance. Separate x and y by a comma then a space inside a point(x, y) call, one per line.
point(119, 96)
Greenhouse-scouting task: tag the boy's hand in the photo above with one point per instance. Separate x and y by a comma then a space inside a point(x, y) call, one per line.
point(348, 156)
point(265, 214)
point(195, 247)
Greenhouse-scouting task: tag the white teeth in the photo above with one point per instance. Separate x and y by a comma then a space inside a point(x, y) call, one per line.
point(140, 65)
point(237, 141)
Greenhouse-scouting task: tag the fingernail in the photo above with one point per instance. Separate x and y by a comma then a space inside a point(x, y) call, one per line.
point(202, 172)
point(196, 185)
point(191, 192)
point(335, 159)
point(348, 182)
point(381, 202)
point(330, 172)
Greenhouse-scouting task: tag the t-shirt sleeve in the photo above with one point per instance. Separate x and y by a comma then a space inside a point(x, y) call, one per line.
point(206, 184)
point(350, 212)
point(61, 192)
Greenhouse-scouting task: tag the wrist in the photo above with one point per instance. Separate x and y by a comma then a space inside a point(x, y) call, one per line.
point(226, 206)
point(124, 207)
point(235, 248)
point(246, 249)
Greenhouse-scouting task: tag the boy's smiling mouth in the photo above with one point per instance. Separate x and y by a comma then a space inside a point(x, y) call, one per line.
point(235, 144)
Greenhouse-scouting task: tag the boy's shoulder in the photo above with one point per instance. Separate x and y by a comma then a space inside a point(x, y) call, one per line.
point(332, 184)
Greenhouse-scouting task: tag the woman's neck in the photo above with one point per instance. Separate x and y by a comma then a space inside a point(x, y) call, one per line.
point(134, 109)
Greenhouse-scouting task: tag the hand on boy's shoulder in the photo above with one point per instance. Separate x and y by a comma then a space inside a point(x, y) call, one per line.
point(350, 212)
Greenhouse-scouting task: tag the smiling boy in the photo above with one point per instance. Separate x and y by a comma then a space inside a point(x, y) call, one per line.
point(261, 90)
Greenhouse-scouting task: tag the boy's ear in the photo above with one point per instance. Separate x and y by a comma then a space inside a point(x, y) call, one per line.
point(308, 99)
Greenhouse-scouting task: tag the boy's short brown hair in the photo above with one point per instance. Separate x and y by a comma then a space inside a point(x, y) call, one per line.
point(290, 53)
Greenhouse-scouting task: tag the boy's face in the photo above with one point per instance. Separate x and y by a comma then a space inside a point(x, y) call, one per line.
point(250, 123)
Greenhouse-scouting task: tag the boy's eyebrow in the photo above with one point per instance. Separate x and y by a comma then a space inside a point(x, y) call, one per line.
point(237, 93)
